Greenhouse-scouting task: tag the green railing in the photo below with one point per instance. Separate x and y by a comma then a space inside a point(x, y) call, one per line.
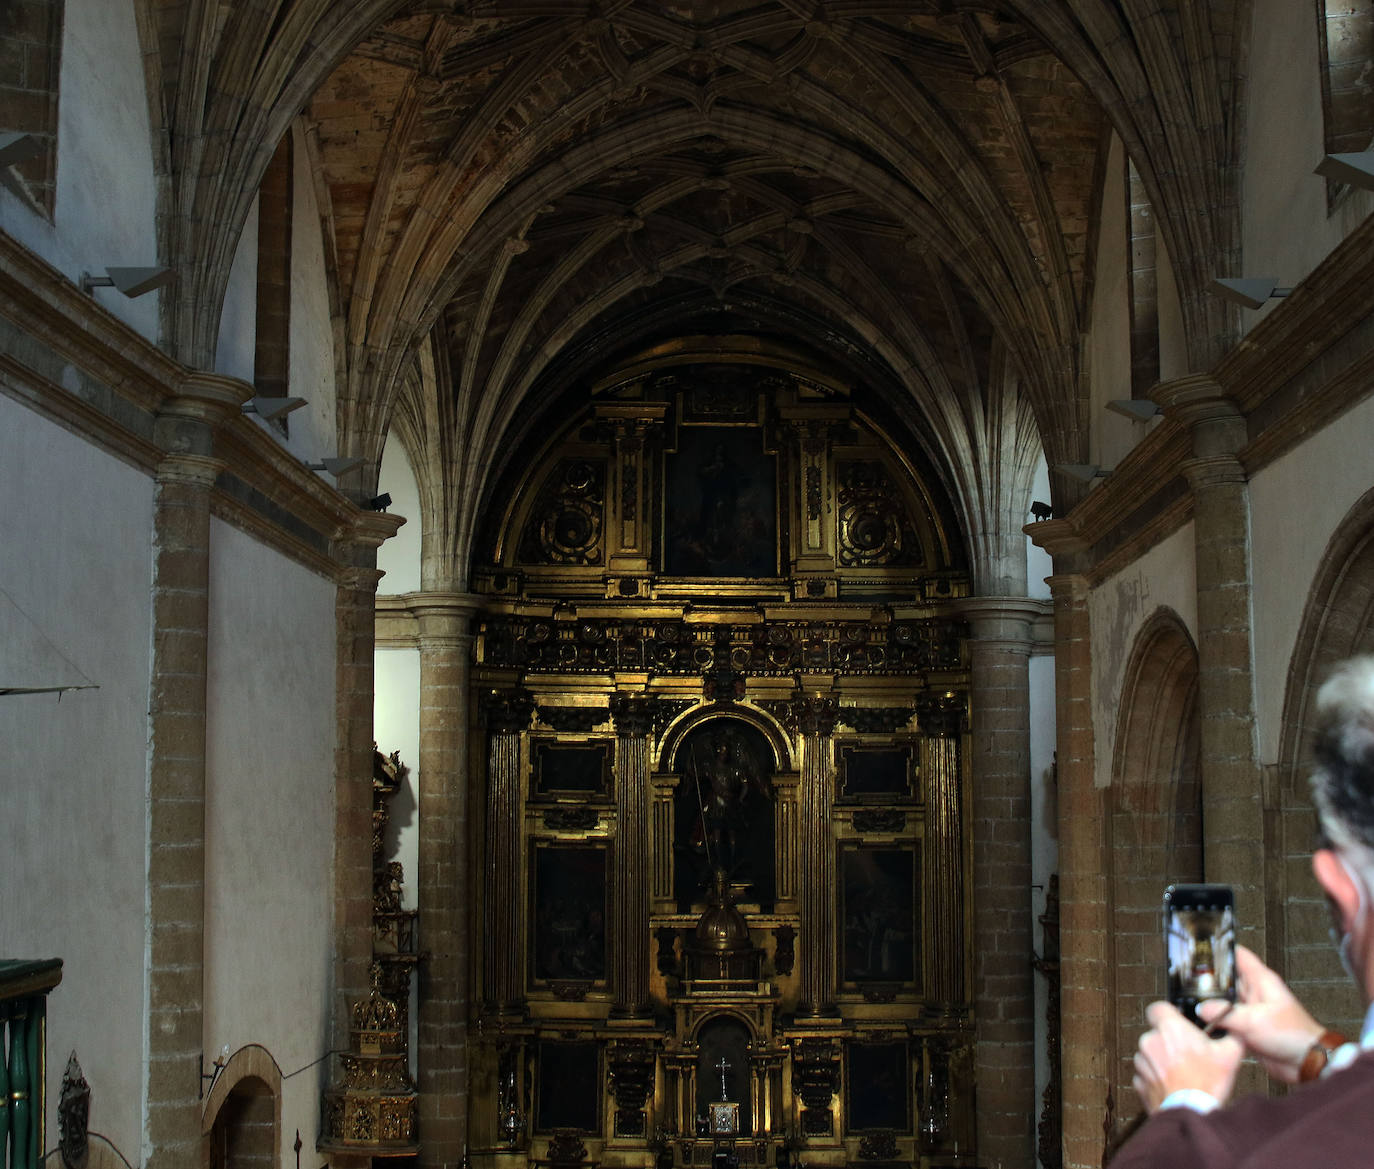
point(24, 988)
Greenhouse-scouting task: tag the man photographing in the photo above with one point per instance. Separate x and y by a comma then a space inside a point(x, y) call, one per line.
point(1184, 1076)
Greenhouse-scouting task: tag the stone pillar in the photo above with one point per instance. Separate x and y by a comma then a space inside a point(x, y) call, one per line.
point(355, 637)
point(941, 719)
point(1003, 978)
point(507, 713)
point(634, 723)
point(1233, 818)
point(444, 897)
point(176, 765)
point(814, 716)
point(1083, 865)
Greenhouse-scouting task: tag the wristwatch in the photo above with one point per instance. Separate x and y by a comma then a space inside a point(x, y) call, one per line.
point(1318, 1055)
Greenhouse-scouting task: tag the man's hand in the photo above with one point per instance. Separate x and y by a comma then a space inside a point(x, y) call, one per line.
point(1175, 1054)
point(1272, 1024)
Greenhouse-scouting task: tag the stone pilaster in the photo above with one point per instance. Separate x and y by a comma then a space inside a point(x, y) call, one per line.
point(1003, 979)
point(630, 489)
point(1232, 789)
point(814, 716)
point(1083, 866)
point(354, 631)
point(445, 620)
point(507, 714)
point(634, 723)
point(176, 765)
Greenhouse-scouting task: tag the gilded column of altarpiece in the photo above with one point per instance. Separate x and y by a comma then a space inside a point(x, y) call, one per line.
point(722, 907)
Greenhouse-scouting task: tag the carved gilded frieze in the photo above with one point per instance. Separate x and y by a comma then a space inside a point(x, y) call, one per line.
point(770, 648)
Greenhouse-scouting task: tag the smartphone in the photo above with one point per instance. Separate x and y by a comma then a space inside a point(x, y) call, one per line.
point(1199, 945)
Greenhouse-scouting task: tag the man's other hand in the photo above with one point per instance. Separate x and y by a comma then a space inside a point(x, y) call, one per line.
point(1175, 1054)
point(1272, 1024)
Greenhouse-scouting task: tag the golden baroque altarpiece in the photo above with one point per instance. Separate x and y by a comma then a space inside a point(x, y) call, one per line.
point(722, 899)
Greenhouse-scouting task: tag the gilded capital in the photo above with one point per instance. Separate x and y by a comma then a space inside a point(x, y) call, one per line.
point(814, 714)
point(634, 714)
point(507, 711)
point(942, 715)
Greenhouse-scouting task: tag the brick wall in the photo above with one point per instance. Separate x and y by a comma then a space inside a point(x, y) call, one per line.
point(245, 1133)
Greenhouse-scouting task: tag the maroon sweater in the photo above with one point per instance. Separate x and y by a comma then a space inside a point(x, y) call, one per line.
point(1326, 1123)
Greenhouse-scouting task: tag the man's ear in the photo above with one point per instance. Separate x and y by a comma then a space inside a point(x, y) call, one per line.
point(1335, 878)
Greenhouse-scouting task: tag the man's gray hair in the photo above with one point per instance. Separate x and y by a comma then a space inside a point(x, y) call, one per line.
point(1343, 779)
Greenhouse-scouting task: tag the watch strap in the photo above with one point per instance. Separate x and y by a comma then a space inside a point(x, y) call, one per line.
point(1319, 1054)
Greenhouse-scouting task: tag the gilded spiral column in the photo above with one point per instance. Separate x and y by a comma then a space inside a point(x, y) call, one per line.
point(634, 723)
point(507, 714)
point(814, 717)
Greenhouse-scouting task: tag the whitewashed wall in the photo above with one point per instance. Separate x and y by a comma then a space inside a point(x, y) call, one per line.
point(1327, 474)
point(1109, 339)
point(313, 429)
point(106, 195)
point(236, 345)
point(1165, 577)
point(1287, 230)
point(396, 723)
point(397, 701)
point(270, 814)
point(1039, 563)
point(399, 557)
point(1044, 830)
point(76, 533)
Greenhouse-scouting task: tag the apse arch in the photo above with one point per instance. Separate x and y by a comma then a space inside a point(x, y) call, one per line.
point(1155, 819)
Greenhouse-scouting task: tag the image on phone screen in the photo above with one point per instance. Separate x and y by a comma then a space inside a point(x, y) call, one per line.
point(1199, 932)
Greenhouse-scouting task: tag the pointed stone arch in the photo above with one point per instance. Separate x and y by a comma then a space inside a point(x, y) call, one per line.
point(1155, 821)
point(1337, 622)
point(241, 1119)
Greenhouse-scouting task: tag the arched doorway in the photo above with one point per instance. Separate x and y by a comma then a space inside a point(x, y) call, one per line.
point(1156, 822)
point(242, 1114)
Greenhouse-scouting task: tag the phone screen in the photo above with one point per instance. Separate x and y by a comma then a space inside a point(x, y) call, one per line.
point(1200, 945)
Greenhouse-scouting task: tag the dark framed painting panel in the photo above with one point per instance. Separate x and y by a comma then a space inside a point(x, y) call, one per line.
point(878, 774)
point(879, 914)
point(877, 1087)
point(572, 769)
point(567, 1086)
point(570, 906)
point(720, 504)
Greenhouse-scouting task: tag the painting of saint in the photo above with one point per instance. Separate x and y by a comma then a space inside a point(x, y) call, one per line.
point(570, 914)
point(724, 811)
point(721, 504)
point(879, 914)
